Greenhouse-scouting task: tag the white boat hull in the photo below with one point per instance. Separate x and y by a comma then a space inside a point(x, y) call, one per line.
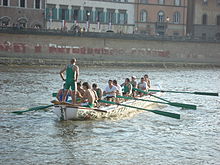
point(65, 112)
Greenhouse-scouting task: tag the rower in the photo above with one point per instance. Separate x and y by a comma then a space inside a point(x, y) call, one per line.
point(147, 80)
point(127, 87)
point(119, 90)
point(134, 85)
point(97, 90)
point(89, 97)
point(110, 91)
point(60, 94)
point(80, 91)
point(142, 85)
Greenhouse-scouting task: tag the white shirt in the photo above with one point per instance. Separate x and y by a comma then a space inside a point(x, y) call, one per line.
point(108, 89)
point(142, 85)
point(119, 89)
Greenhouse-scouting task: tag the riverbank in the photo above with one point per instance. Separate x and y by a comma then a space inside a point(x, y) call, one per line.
point(101, 64)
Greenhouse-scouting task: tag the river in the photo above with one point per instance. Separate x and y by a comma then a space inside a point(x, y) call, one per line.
point(143, 138)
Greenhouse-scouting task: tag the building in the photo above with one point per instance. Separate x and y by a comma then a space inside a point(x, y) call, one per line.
point(91, 15)
point(161, 17)
point(22, 13)
point(204, 19)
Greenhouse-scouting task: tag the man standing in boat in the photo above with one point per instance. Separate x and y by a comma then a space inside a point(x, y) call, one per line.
point(72, 74)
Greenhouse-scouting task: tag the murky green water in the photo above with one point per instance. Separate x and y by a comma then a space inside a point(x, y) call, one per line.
point(145, 138)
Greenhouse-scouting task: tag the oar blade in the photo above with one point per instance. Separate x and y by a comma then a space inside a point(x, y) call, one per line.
point(186, 106)
point(206, 93)
point(168, 114)
point(54, 94)
point(33, 109)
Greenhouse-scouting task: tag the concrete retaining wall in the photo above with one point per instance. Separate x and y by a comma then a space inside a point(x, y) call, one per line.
point(48, 49)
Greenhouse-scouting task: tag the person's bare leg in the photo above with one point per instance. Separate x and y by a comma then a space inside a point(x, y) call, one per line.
point(73, 97)
point(64, 95)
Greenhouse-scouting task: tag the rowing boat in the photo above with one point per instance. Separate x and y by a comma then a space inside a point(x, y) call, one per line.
point(66, 111)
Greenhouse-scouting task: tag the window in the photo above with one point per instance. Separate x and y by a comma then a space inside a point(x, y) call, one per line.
point(76, 14)
point(218, 20)
point(5, 2)
point(176, 18)
point(203, 36)
point(37, 4)
point(121, 18)
point(22, 22)
point(161, 2)
point(204, 19)
point(111, 16)
point(177, 2)
point(160, 17)
point(205, 2)
point(100, 16)
point(87, 16)
point(143, 16)
point(176, 34)
point(143, 1)
point(22, 3)
point(63, 14)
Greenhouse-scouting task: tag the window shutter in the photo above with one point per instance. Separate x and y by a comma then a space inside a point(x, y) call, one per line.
point(102, 16)
point(60, 14)
point(67, 14)
point(91, 16)
point(54, 13)
point(84, 15)
point(107, 17)
point(126, 18)
point(96, 16)
point(118, 18)
point(114, 18)
point(72, 11)
point(47, 13)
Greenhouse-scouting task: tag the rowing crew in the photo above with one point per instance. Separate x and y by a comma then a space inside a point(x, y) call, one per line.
point(87, 96)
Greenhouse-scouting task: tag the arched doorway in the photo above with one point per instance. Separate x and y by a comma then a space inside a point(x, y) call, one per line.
point(4, 21)
point(22, 22)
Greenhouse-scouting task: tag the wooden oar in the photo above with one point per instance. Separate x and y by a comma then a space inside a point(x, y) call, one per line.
point(168, 114)
point(196, 93)
point(189, 106)
point(34, 109)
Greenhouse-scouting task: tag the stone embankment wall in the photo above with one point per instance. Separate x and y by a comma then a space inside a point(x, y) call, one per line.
point(57, 50)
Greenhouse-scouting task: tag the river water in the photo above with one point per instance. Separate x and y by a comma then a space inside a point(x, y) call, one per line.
point(143, 138)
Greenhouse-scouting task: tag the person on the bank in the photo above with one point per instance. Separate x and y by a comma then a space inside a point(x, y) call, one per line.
point(110, 91)
point(142, 85)
point(147, 80)
point(72, 74)
point(134, 85)
point(98, 90)
point(89, 97)
point(127, 87)
point(60, 94)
